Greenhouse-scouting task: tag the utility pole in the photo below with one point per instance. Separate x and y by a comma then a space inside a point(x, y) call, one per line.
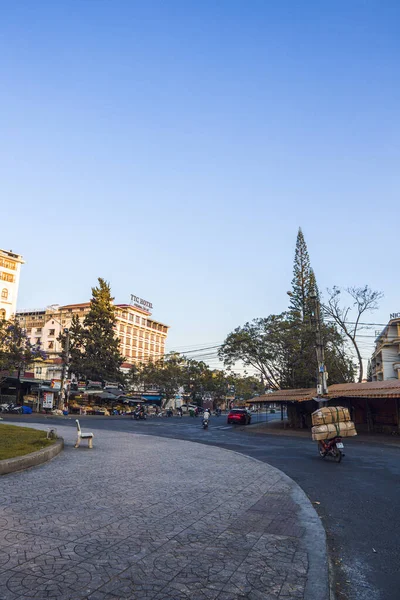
point(322, 388)
point(64, 370)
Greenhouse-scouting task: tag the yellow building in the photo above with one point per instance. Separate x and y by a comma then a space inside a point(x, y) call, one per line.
point(141, 337)
point(10, 265)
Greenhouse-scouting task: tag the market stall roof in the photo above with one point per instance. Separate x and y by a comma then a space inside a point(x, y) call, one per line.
point(370, 389)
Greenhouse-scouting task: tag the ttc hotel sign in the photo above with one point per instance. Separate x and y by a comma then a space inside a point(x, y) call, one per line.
point(140, 303)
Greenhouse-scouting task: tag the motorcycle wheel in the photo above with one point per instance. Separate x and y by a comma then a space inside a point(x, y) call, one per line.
point(321, 450)
point(337, 455)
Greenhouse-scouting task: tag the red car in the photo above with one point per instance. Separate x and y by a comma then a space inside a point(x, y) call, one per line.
point(239, 416)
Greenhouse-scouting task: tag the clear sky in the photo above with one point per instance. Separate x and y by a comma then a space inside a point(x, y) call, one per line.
point(174, 148)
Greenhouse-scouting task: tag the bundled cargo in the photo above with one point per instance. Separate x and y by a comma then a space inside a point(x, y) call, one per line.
point(327, 432)
point(330, 414)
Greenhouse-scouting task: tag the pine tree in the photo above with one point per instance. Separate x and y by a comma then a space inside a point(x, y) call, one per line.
point(100, 359)
point(303, 277)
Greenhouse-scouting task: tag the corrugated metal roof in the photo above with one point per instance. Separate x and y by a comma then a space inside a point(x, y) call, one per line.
point(371, 389)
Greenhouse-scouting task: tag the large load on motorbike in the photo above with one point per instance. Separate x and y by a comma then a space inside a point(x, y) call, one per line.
point(330, 414)
point(332, 430)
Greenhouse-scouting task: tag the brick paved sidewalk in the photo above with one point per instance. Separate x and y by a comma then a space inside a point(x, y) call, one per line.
point(143, 517)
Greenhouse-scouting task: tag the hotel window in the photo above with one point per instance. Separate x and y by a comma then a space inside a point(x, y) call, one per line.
point(52, 331)
point(137, 319)
point(122, 328)
point(134, 343)
point(143, 321)
point(140, 334)
point(51, 346)
point(39, 330)
point(130, 316)
point(7, 264)
point(146, 335)
point(4, 294)
point(7, 277)
point(2, 314)
point(129, 330)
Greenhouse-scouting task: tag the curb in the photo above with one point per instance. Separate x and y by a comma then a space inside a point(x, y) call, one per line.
point(20, 463)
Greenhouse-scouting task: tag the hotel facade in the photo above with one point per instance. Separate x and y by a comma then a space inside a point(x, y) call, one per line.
point(10, 266)
point(141, 338)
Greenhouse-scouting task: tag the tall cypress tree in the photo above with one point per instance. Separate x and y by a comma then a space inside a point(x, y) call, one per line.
point(301, 278)
point(101, 359)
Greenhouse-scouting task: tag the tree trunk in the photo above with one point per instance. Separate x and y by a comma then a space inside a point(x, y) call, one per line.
point(360, 363)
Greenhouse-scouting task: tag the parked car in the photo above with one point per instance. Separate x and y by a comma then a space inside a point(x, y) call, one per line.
point(239, 416)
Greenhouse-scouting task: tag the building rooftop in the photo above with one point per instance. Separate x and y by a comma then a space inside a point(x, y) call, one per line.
point(370, 389)
point(13, 255)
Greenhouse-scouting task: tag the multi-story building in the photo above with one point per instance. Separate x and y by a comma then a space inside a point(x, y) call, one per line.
point(10, 265)
point(141, 337)
point(385, 361)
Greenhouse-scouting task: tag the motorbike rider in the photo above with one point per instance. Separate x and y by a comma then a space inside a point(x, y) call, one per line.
point(207, 415)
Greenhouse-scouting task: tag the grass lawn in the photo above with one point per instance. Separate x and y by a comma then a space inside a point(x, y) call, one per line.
point(17, 441)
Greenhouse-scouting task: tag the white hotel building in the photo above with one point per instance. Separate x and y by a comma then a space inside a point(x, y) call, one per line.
point(10, 266)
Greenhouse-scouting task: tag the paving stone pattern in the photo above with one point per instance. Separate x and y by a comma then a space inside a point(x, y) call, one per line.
point(142, 517)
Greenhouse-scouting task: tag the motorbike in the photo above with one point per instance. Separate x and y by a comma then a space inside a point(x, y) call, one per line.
point(139, 414)
point(11, 408)
point(332, 448)
point(205, 423)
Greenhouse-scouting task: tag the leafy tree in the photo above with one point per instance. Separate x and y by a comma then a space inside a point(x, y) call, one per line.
point(166, 374)
point(16, 351)
point(362, 300)
point(259, 344)
point(282, 351)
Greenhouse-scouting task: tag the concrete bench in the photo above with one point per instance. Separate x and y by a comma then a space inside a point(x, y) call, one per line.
point(83, 436)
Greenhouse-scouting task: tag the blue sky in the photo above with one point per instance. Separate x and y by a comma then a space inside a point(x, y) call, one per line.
point(174, 148)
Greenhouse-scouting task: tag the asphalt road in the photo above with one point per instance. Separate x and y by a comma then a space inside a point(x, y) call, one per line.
point(358, 499)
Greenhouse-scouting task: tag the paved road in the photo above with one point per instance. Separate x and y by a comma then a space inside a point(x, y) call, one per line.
point(359, 502)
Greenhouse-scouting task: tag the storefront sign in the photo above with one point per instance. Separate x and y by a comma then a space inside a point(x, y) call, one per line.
point(94, 384)
point(48, 399)
point(56, 384)
point(81, 386)
point(140, 303)
point(395, 315)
